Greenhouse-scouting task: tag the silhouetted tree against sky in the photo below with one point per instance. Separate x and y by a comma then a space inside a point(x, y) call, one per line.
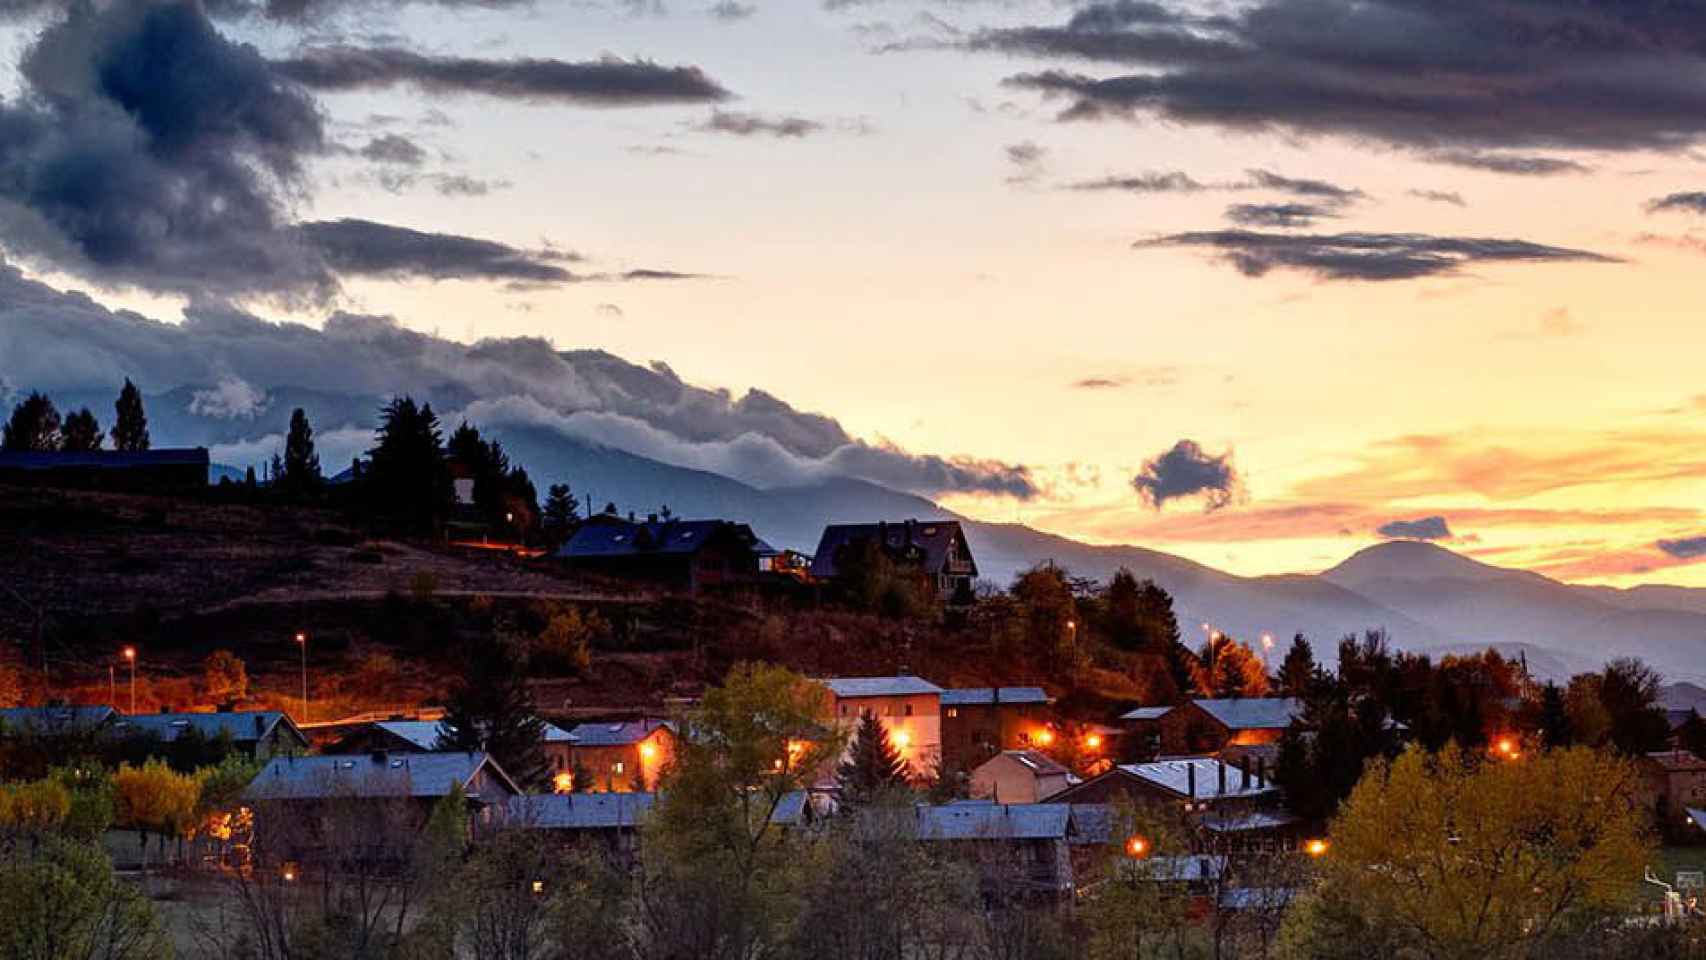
point(408, 481)
point(34, 425)
point(301, 467)
point(1297, 668)
point(130, 429)
point(81, 432)
point(491, 710)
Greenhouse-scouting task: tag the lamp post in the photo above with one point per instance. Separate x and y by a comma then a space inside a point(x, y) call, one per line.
point(302, 641)
point(130, 655)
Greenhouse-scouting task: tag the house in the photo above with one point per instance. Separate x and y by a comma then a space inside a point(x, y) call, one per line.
point(1238, 805)
point(1019, 776)
point(421, 777)
point(422, 736)
point(935, 549)
point(1675, 780)
point(683, 554)
point(1207, 726)
point(980, 722)
point(1143, 728)
point(257, 734)
point(130, 471)
point(908, 707)
point(621, 757)
point(1023, 849)
point(55, 721)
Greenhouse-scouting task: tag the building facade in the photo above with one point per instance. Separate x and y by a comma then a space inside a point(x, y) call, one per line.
point(909, 708)
point(980, 722)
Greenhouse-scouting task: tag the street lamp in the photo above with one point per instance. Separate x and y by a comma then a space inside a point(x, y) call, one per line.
point(130, 655)
point(302, 641)
point(1316, 848)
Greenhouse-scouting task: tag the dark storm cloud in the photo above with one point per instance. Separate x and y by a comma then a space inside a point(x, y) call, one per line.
point(365, 248)
point(1284, 215)
point(599, 83)
point(754, 125)
point(1366, 256)
point(1188, 471)
point(1439, 196)
point(1692, 201)
point(1425, 528)
point(63, 342)
point(394, 148)
point(1426, 74)
point(1515, 165)
point(1690, 548)
point(1176, 181)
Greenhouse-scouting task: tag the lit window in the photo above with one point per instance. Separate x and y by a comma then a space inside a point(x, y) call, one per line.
point(953, 712)
point(617, 766)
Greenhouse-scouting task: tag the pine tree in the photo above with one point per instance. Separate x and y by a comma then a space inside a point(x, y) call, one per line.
point(873, 765)
point(1554, 718)
point(130, 432)
point(491, 711)
point(34, 425)
point(561, 512)
point(408, 481)
point(1297, 668)
point(1181, 666)
point(81, 432)
point(301, 464)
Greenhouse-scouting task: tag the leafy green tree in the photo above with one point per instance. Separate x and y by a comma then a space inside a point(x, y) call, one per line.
point(34, 425)
point(80, 433)
point(130, 427)
point(490, 710)
point(301, 466)
point(89, 792)
point(873, 767)
point(61, 901)
point(1629, 691)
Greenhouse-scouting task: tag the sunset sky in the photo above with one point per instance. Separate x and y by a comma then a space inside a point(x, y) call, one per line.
point(1377, 262)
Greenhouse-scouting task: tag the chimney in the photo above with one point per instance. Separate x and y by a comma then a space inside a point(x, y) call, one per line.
point(1220, 770)
point(1261, 773)
point(1243, 774)
point(1191, 779)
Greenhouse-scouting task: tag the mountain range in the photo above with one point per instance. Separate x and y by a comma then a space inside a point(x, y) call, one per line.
point(1426, 597)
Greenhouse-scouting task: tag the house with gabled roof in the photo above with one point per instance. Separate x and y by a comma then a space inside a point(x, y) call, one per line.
point(257, 734)
point(621, 756)
point(1208, 726)
point(682, 554)
point(423, 777)
point(936, 550)
point(56, 720)
point(1019, 776)
point(908, 707)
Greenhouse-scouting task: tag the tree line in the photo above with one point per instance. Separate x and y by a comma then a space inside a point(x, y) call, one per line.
point(35, 425)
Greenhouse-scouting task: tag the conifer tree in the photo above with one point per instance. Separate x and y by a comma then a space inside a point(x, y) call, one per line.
point(34, 425)
point(130, 431)
point(81, 432)
point(491, 711)
point(301, 468)
point(873, 765)
point(1297, 668)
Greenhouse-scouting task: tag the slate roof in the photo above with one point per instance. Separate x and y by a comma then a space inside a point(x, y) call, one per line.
point(607, 538)
point(977, 820)
point(1146, 713)
point(244, 726)
point(989, 696)
point(931, 538)
point(55, 720)
point(1193, 868)
point(902, 686)
point(422, 775)
point(579, 811)
point(102, 459)
point(1255, 820)
point(622, 734)
point(1174, 776)
point(423, 734)
point(1253, 713)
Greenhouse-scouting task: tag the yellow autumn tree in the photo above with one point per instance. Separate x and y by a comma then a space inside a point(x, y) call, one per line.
point(225, 677)
point(36, 807)
point(1455, 856)
point(154, 799)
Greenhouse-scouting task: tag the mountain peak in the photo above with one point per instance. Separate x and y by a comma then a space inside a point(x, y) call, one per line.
point(1411, 560)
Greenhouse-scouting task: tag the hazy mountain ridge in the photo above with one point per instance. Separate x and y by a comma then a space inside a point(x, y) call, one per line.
point(1426, 597)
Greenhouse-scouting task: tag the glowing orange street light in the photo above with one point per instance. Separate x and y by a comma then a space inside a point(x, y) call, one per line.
point(563, 783)
point(1045, 737)
point(1316, 848)
point(1093, 741)
point(901, 739)
point(1507, 747)
point(648, 751)
point(1137, 848)
point(130, 655)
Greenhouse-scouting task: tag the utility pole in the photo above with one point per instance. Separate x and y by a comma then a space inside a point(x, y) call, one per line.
point(130, 654)
point(302, 641)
